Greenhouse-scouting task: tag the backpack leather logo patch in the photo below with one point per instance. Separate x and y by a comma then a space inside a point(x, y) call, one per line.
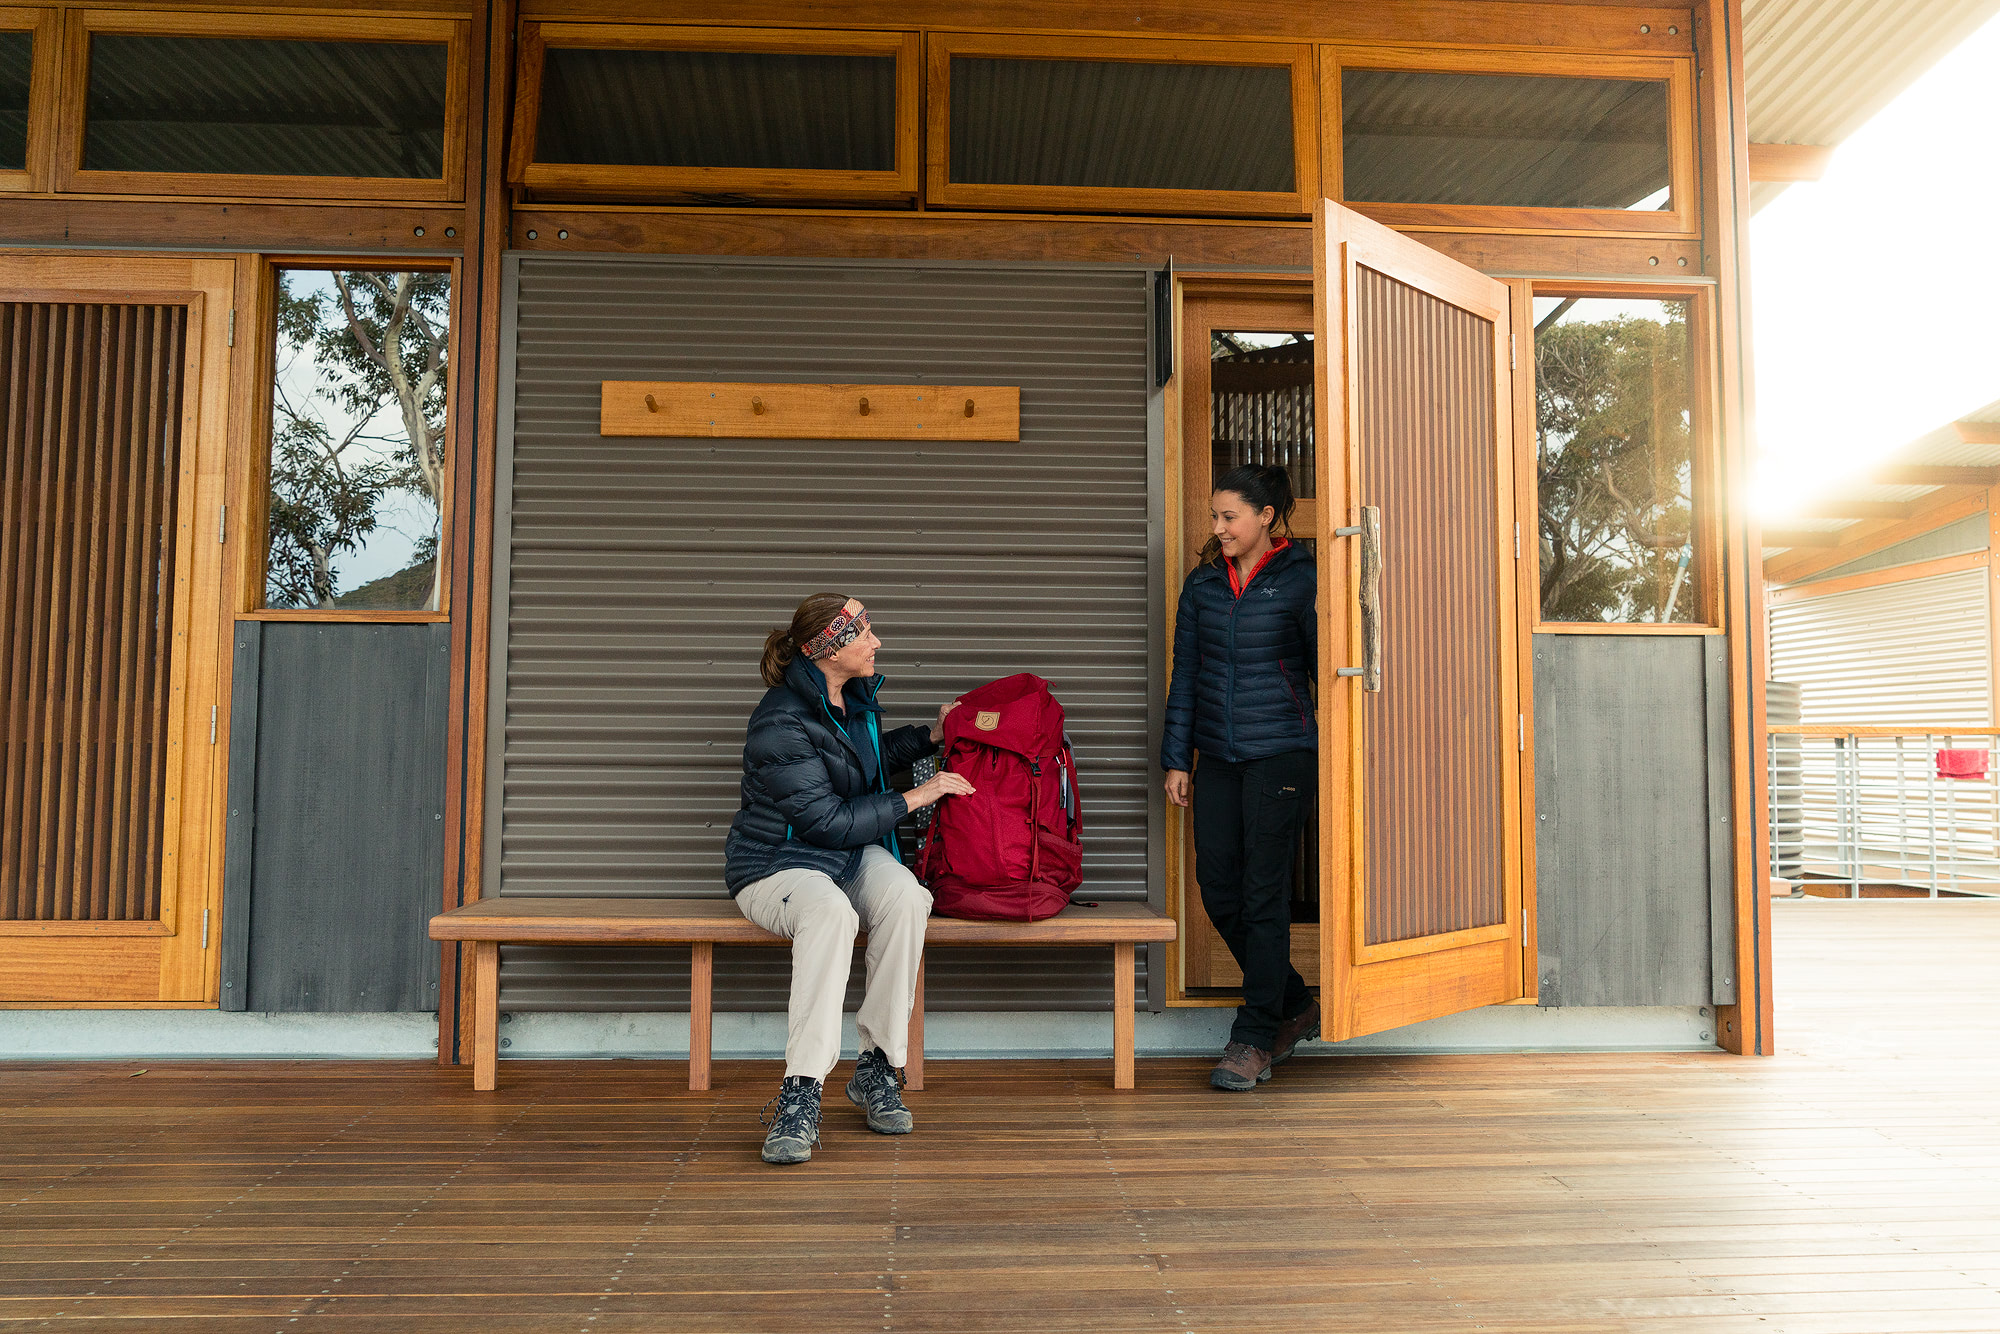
point(987, 721)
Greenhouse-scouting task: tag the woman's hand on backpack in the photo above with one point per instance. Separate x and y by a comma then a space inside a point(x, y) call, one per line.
point(944, 785)
point(937, 728)
point(1177, 786)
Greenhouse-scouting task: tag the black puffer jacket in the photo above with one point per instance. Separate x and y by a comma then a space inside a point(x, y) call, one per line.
point(807, 800)
point(1244, 668)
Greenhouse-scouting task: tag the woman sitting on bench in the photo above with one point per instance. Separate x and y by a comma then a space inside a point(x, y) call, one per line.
point(812, 856)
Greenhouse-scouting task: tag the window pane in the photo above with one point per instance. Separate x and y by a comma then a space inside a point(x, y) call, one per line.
point(17, 58)
point(718, 109)
point(1260, 388)
point(265, 108)
point(1415, 137)
point(1614, 447)
point(358, 439)
point(1122, 124)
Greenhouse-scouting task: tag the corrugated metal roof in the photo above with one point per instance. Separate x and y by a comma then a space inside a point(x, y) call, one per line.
point(1943, 446)
point(1815, 71)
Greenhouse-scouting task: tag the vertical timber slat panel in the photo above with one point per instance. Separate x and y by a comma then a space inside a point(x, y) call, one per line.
point(1432, 746)
point(643, 575)
point(91, 421)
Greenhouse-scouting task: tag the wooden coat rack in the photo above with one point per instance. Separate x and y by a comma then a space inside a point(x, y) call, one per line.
point(811, 411)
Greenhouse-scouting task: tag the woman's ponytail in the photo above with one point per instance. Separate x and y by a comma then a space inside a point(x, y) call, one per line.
point(1262, 486)
point(782, 644)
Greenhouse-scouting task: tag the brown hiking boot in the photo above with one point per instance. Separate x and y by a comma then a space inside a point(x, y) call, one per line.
point(1301, 1027)
point(1241, 1068)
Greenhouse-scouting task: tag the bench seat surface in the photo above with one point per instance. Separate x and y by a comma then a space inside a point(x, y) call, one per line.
point(514, 918)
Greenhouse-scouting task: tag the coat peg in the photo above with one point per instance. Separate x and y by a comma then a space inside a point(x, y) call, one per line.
point(864, 407)
point(651, 406)
point(757, 406)
point(968, 407)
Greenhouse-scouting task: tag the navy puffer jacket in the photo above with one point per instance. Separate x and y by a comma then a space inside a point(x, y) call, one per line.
point(1244, 668)
point(807, 800)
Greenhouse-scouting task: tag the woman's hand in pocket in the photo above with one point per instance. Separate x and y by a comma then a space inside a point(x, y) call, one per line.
point(1177, 786)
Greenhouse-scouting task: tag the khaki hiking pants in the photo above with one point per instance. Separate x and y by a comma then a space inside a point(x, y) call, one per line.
point(821, 921)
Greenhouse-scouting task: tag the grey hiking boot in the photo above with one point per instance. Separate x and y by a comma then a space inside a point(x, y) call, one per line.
point(794, 1123)
point(877, 1087)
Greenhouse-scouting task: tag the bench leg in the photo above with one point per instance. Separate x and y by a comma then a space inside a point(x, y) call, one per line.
point(1124, 976)
point(701, 1015)
point(913, 1064)
point(485, 1015)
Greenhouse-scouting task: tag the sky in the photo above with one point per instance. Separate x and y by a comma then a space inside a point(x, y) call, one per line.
point(1875, 291)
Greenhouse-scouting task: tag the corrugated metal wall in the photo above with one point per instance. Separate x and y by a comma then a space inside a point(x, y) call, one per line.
point(1909, 653)
point(1954, 539)
point(636, 579)
point(1431, 752)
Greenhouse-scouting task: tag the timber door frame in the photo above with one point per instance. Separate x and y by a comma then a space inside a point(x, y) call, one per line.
point(1244, 301)
point(1406, 981)
point(171, 962)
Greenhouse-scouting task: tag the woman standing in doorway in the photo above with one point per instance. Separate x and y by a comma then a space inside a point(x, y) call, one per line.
point(812, 856)
point(1245, 662)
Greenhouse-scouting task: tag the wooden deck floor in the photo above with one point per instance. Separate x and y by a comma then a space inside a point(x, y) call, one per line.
point(1850, 1184)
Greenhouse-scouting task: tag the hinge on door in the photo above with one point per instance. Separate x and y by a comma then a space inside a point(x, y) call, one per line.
point(204, 928)
point(1517, 539)
point(211, 724)
point(1513, 351)
point(1521, 731)
point(232, 328)
point(222, 532)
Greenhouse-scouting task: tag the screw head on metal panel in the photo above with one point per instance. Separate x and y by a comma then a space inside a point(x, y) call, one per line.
point(562, 234)
point(418, 230)
point(506, 1042)
point(531, 233)
point(506, 1018)
point(1708, 1037)
point(449, 231)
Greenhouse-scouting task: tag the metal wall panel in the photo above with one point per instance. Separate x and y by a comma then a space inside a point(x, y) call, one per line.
point(1954, 539)
point(1915, 653)
point(636, 578)
point(1632, 831)
point(1432, 751)
point(335, 840)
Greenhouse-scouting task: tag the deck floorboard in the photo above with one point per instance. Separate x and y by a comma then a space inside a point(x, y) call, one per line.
point(1850, 1185)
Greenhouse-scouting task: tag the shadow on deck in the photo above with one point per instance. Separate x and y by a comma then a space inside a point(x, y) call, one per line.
point(1850, 1184)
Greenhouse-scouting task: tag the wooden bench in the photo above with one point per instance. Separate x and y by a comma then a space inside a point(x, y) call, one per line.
point(703, 924)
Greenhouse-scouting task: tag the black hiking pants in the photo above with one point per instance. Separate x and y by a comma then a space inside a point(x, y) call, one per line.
point(1246, 836)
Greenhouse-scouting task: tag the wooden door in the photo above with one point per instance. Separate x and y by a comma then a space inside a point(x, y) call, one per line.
point(113, 393)
point(1246, 360)
point(1420, 760)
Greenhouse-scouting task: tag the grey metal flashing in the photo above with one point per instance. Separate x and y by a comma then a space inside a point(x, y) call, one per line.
point(1721, 830)
point(500, 578)
point(240, 829)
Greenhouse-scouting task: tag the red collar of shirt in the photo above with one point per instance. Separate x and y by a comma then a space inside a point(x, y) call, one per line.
point(1237, 583)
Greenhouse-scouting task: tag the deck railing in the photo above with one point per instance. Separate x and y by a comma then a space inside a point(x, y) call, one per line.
point(1911, 809)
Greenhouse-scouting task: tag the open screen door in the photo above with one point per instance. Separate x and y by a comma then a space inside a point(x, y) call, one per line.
point(1420, 791)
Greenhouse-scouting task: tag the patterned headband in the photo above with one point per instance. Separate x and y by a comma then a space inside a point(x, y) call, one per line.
point(845, 629)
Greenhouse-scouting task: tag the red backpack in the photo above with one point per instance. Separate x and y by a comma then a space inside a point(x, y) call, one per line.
point(1009, 852)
